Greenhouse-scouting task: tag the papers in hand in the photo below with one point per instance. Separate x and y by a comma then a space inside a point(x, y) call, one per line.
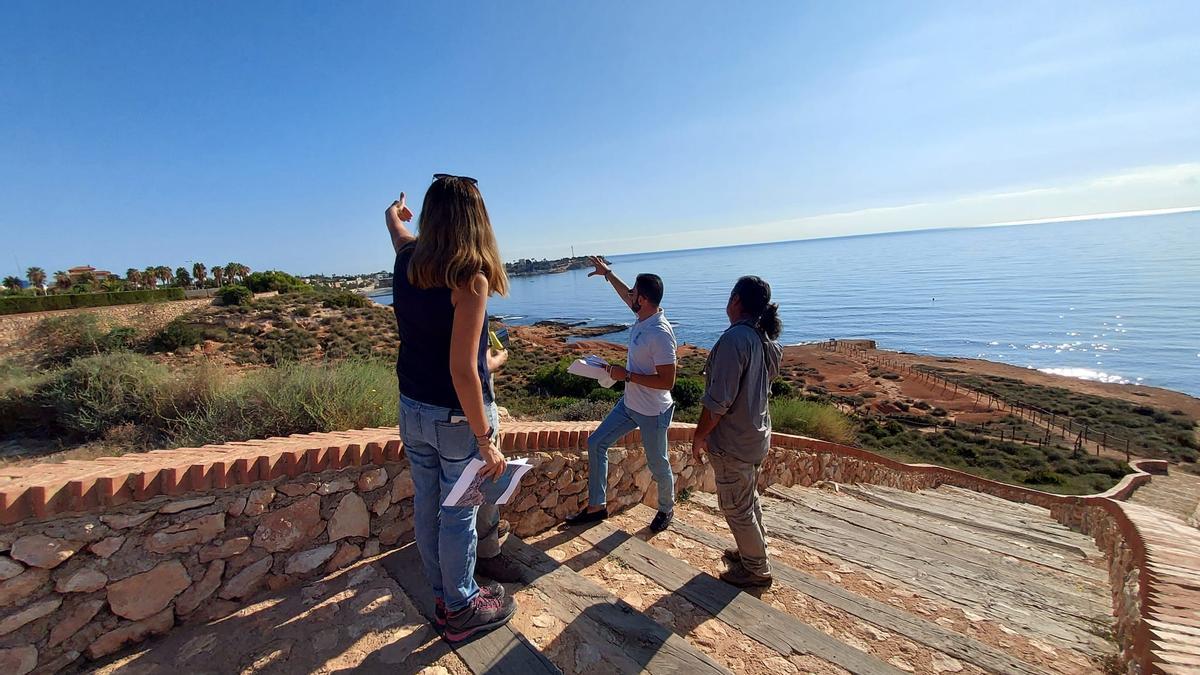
point(472, 489)
point(594, 367)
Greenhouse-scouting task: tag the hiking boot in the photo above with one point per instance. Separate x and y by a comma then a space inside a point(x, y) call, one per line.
point(585, 516)
point(661, 521)
point(491, 590)
point(732, 555)
point(738, 575)
point(482, 615)
point(498, 568)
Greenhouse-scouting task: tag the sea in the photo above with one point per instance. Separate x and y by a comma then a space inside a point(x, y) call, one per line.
point(1113, 300)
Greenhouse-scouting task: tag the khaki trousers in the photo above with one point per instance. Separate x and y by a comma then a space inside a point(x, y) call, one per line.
point(737, 494)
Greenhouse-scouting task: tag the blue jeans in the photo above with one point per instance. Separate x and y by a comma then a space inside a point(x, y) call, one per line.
point(619, 422)
point(438, 452)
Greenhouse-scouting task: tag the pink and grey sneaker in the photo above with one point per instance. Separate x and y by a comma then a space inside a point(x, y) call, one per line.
point(490, 589)
point(483, 614)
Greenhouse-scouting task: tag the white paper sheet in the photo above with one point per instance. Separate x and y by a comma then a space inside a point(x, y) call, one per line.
point(471, 489)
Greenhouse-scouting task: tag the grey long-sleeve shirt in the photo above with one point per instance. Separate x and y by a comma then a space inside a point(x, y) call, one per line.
point(739, 372)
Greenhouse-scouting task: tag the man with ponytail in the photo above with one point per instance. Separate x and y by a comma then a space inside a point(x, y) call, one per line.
point(735, 424)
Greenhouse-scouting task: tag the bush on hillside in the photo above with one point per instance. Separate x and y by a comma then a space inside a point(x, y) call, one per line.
point(809, 418)
point(235, 295)
point(554, 380)
point(781, 388)
point(98, 392)
point(344, 299)
point(176, 335)
point(271, 280)
point(687, 391)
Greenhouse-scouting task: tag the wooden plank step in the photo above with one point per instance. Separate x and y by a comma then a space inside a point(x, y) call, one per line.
point(629, 641)
point(860, 511)
point(1014, 606)
point(502, 651)
point(1037, 521)
point(890, 501)
point(959, 559)
point(763, 623)
point(881, 614)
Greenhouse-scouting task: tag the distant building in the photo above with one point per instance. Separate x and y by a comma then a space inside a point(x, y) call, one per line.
point(99, 275)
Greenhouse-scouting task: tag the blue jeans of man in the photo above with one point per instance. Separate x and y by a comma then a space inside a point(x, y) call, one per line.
point(619, 422)
point(438, 451)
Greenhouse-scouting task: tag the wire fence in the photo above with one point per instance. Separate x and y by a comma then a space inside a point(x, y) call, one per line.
point(1078, 433)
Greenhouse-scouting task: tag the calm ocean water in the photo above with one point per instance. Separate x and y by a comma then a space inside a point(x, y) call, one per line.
point(1115, 300)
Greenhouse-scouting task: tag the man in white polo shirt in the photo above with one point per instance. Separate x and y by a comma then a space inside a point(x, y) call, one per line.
point(649, 375)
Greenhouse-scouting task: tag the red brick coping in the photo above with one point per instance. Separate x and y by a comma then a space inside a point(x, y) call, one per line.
point(1160, 633)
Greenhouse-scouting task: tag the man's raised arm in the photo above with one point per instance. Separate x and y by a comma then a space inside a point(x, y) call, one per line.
point(603, 270)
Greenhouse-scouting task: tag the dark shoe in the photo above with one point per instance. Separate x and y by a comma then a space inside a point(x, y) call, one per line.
point(738, 575)
point(498, 568)
point(482, 615)
point(732, 555)
point(586, 516)
point(491, 590)
point(502, 529)
point(661, 521)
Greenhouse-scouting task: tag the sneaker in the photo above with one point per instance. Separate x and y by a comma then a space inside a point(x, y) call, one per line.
point(661, 521)
point(738, 575)
point(491, 590)
point(482, 615)
point(502, 529)
point(586, 516)
point(732, 555)
point(498, 568)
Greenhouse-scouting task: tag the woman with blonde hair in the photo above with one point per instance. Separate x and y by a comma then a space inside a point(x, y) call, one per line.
point(440, 286)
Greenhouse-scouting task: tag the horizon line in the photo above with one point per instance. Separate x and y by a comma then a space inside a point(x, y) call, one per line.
point(1113, 215)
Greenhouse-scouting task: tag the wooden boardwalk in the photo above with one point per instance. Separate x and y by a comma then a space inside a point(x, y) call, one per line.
point(867, 580)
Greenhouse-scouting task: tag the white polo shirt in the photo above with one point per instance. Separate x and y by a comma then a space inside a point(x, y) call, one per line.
point(651, 343)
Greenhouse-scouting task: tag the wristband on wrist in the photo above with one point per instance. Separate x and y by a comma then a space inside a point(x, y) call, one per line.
point(485, 436)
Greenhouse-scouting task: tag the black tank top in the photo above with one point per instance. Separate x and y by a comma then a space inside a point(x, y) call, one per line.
point(425, 318)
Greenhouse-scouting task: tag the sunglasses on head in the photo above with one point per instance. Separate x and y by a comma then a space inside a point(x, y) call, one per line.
point(444, 176)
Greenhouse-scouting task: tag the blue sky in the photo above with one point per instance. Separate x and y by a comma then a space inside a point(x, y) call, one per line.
point(275, 133)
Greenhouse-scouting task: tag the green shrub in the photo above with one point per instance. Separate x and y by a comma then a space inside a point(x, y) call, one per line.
point(807, 418)
point(578, 411)
point(58, 339)
point(235, 295)
point(602, 394)
point(82, 298)
point(177, 335)
point(687, 391)
point(781, 388)
point(554, 380)
point(271, 280)
point(96, 393)
point(345, 299)
point(118, 338)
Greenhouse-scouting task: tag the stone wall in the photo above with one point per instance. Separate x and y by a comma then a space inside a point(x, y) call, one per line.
point(97, 555)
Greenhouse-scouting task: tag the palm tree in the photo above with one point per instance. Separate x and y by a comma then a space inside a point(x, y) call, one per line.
point(182, 278)
point(242, 271)
point(231, 272)
point(12, 283)
point(62, 281)
point(150, 276)
point(218, 274)
point(87, 279)
point(163, 274)
point(37, 278)
point(134, 277)
point(200, 274)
